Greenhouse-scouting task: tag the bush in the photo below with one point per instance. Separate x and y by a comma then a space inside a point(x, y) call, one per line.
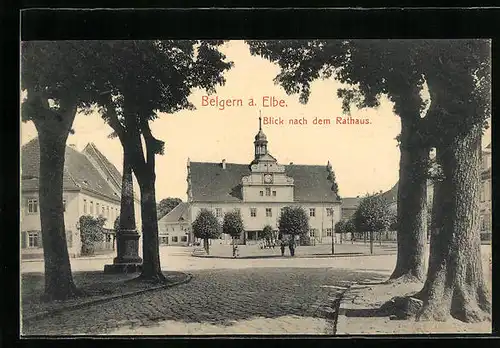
point(206, 226)
point(91, 233)
point(294, 221)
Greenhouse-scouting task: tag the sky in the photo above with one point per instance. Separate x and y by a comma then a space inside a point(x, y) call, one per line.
point(365, 157)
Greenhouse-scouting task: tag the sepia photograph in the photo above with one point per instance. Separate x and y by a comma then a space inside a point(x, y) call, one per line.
point(255, 187)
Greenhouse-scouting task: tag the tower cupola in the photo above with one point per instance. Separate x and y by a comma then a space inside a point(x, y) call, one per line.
point(260, 142)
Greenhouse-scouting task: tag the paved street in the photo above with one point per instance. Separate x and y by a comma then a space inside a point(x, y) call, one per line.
point(267, 296)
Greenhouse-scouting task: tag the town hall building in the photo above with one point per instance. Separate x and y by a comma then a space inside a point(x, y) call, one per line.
point(261, 189)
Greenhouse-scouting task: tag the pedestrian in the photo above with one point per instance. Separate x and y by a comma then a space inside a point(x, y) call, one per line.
point(282, 247)
point(291, 246)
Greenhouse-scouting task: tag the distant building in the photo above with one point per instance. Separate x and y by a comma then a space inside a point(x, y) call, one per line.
point(486, 193)
point(174, 228)
point(91, 186)
point(349, 206)
point(260, 190)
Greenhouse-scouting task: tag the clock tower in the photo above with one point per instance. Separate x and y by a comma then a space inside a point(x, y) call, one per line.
point(260, 142)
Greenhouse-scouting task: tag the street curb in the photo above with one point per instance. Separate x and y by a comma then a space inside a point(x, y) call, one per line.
point(103, 257)
point(289, 257)
point(41, 315)
point(341, 318)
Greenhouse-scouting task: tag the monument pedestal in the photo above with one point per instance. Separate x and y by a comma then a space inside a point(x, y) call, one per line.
point(127, 259)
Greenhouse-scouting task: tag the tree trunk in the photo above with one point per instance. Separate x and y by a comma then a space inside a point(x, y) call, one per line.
point(151, 269)
point(206, 245)
point(455, 282)
point(58, 278)
point(371, 242)
point(127, 210)
point(412, 206)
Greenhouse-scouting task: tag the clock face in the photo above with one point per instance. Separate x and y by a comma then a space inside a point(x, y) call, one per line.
point(268, 178)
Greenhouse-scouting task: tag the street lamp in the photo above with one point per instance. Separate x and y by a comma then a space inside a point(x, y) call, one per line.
point(333, 243)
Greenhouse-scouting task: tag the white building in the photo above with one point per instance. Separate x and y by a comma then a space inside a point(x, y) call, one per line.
point(91, 186)
point(261, 189)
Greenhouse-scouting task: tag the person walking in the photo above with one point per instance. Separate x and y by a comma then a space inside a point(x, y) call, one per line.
point(291, 246)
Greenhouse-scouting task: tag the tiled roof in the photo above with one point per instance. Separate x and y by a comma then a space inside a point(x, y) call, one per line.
point(350, 202)
point(392, 195)
point(211, 183)
point(179, 213)
point(79, 173)
point(107, 166)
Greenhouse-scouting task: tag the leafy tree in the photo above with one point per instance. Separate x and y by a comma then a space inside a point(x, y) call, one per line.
point(371, 68)
point(91, 233)
point(459, 79)
point(206, 226)
point(372, 215)
point(267, 234)
point(166, 205)
point(340, 226)
point(233, 225)
point(56, 78)
point(170, 70)
point(293, 221)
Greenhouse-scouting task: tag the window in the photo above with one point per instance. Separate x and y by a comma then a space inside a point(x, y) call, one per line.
point(312, 212)
point(274, 193)
point(184, 238)
point(329, 211)
point(218, 212)
point(108, 238)
point(253, 212)
point(103, 210)
point(32, 206)
point(64, 205)
point(174, 239)
point(85, 206)
point(329, 232)
point(312, 232)
point(261, 193)
point(268, 191)
point(97, 208)
point(269, 212)
point(91, 208)
point(33, 240)
point(107, 212)
point(237, 210)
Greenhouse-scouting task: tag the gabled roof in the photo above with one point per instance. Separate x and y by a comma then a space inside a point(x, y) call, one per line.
point(104, 163)
point(178, 214)
point(79, 172)
point(392, 195)
point(108, 167)
point(211, 183)
point(350, 202)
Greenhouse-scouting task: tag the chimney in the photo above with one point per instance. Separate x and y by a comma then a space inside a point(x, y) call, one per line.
point(224, 164)
point(291, 163)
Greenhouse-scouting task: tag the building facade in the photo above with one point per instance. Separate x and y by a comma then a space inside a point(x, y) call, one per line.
point(174, 228)
point(486, 193)
point(91, 186)
point(260, 190)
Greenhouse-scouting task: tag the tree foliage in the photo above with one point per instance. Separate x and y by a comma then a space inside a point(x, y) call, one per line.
point(331, 178)
point(372, 215)
point(267, 232)
point(116, 224)
point(166, 205)
point(340, 226)
point(206, 225)
point(294, 221)
point(233, 224)
point(91, 232)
